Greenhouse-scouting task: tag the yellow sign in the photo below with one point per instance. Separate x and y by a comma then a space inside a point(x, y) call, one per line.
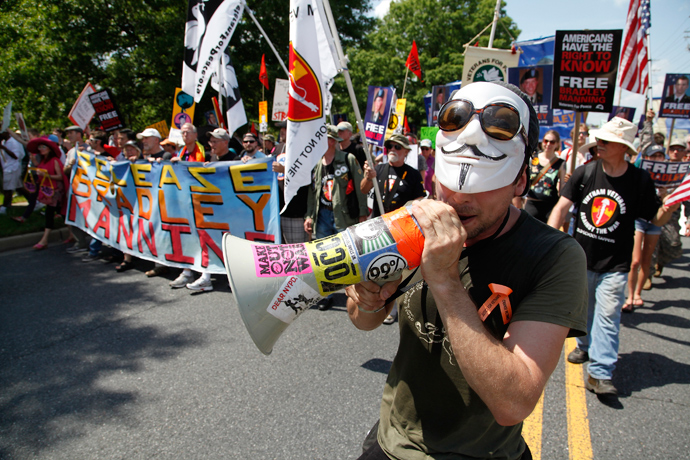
point(263, 116)
point(161, 127)
point(183, 109)
point(396, 122)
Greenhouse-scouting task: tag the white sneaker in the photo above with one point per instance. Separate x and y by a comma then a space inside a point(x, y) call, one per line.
point(200, 285)
point(181, 281)
point(39, 206)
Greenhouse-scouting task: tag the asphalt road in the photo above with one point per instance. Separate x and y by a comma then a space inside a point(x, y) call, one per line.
point(99, 364)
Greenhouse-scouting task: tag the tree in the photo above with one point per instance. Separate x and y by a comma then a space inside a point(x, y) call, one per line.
point(440, 28)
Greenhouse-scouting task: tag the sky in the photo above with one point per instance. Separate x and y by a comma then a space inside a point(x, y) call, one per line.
point(669, 33)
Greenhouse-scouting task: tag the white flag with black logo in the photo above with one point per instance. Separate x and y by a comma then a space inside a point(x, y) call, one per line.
point(210, 24)
point(228, 87)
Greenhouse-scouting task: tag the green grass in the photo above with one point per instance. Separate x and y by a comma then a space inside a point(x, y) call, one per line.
point(35, 223)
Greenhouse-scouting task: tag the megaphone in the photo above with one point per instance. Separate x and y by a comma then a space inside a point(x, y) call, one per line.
point(274, 283)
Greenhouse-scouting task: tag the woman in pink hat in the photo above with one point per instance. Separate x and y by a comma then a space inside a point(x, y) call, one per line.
point(51, 182)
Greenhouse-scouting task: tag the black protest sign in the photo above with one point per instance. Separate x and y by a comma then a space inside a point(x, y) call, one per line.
point(584, 70)
point(675, 102)
point(106, 111)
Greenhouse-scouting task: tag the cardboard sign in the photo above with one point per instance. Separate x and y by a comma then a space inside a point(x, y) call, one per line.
point(263, 116)
point(106, 112)
point(585, 69)
point(535, 81)
point(280, 100)
point(183, 109)
point(82, 111)
point(162, 128)
point(675, 101)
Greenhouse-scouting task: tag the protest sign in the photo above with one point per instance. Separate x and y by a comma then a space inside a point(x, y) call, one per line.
point(22, 125)
point(563, 123)
point(263, 116)
point(105, 109)
point(535, 82)
point(675, 101)
point(666, 173)
point(395, 121)
point(436, 98)
point(487, 64)
point(174, 214)
point(82, 111)
point(623, 112)
point(378, 112)
point(162, 128)
point(585, 68)
point(280, 100)
point(6, 115)
point(183, 109)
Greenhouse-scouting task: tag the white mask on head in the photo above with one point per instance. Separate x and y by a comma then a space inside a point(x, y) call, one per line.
point(468, 160)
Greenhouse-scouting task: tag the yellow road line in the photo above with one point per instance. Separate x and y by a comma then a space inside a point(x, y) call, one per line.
point(531, 429)
point(579, 440)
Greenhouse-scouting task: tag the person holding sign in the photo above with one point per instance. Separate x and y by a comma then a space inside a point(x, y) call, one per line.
point(483, 321)
point(610, 194)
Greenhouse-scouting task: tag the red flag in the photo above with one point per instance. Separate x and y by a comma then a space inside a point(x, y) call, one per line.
point(407, 127)
point(682, 193)
point(413, 61)
point(634, 66)
point(263, 76)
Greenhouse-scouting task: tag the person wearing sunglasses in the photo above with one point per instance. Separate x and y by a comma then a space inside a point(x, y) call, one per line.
point(484, 319)
point(610, 194)
point(250, 143)
point(547, 173)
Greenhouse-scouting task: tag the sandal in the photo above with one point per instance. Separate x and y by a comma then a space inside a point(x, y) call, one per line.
point(628, 307)
point(638, 302)
point(19, 219)
point(39, 246)
point(124, 266)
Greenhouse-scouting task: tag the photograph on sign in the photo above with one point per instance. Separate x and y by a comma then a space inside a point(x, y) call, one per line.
point(535, 82)
point(675, 100)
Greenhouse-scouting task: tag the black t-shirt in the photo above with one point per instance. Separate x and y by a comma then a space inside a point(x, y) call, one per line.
point(358, 151)
point(326, 195)
point(608, 207)
point(228, 156)
point(160, 155)
point(410, 186)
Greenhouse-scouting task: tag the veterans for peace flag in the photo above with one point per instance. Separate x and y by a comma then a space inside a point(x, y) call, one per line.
point(311, 71)
point(210, 24)
point(225, 82)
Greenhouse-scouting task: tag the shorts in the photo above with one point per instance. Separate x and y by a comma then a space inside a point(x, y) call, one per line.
point(646, 227)
point(12, 180)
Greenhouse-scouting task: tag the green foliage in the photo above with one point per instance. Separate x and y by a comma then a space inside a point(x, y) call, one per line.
point(440, 28)
point(51, 48)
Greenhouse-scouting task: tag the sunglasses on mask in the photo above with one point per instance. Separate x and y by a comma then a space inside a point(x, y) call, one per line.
point(499, 120)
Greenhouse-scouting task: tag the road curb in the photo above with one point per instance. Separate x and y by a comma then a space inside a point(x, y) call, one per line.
point(29, 239)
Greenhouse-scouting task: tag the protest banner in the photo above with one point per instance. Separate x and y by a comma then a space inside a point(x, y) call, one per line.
point(675, 101)
point(622, 112)
point(563, 122)
point(209, 27)
point(378, 112)
point(174, 214)
point(666, 173)
point(6, 115)
point(82, 111)
point(225, 82)
point(535, 82)
point(280, 100)
point(487, 64)
point(183, 109)
point(585, 69)
point(105, 109)
point(162, 128)
point(22, 125)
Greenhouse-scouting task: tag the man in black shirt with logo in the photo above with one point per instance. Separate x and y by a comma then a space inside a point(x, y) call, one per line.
point(610, 194)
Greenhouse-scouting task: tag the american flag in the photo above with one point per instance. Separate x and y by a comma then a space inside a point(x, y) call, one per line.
point(682, 193)
point(634, 69)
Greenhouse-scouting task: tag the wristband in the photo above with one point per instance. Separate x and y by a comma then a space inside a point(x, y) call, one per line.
point(370, 311)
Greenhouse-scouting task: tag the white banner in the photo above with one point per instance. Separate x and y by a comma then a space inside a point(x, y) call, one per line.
point(235, 116)
point(312, 69)
point(487, 64)
point(210, 24)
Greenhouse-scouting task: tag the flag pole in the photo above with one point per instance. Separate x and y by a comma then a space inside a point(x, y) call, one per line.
point(407, 71)
point(343, 63)
point(268, 40)
point(495, 21)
